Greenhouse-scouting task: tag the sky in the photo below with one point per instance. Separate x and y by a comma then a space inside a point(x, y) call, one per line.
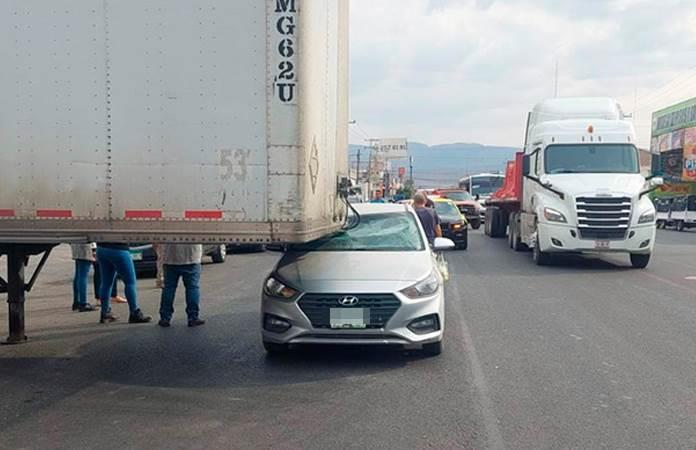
point(444, 71)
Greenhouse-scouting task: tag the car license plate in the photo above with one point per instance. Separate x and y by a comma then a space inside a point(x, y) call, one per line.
point(137, 256)
point(349, 318)
point(601, 245)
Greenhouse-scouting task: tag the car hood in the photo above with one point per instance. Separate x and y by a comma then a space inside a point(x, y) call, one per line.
point(598, 183)
point(307, 270)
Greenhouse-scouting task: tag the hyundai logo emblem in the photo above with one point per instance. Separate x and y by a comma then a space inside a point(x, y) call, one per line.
point(348, 301)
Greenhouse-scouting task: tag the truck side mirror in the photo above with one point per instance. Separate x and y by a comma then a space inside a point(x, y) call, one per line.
point(657, 181)
point(526, 165)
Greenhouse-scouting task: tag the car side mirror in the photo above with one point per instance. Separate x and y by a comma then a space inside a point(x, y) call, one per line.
point(443, 244)
point(526, 165)
point(657, 181)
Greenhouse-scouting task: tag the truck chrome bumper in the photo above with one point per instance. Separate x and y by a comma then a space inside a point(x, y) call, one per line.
point(638, 240)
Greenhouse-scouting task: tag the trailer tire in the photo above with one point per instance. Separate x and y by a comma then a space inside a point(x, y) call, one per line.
point(495, 223)
point(476, 224)
point(640, 261)
point(514, 230)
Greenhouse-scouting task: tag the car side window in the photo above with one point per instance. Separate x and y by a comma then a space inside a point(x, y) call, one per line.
point(537, 152)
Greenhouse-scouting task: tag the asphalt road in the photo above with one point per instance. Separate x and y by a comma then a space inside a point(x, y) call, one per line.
point(586, 354)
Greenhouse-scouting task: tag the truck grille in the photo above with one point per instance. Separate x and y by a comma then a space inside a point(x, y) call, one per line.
point(603, 217)
point(317, 308)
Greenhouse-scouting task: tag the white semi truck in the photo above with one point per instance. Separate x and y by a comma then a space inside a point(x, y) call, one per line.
point(170, 121)
point(577, 187)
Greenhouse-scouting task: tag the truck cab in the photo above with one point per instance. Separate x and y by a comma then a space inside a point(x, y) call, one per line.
point(582, 187)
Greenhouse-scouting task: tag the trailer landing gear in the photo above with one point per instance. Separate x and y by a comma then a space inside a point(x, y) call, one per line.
point(15, 286)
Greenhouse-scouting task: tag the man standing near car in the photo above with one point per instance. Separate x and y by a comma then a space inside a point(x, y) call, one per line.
point(428, 217)
point(181, 261)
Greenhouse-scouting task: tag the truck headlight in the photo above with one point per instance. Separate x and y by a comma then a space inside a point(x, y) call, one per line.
point(274, 288)
point(647, 217)
point(553, 215)
point(423, 288)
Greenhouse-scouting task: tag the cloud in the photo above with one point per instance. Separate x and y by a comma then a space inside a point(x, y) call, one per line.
point(469, 70)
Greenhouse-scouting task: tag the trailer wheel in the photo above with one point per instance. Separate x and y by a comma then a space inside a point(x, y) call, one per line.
point(640, 261)
point(514, 230)
point(495, 223)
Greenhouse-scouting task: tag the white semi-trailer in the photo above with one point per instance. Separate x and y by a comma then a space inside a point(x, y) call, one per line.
point(579, 189)
point(169, 121)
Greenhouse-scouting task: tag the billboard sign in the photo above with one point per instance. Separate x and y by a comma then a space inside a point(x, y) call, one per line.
point(677, 117)
point(393, 148)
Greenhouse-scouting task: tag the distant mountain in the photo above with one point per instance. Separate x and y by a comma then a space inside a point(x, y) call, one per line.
point(445, 164)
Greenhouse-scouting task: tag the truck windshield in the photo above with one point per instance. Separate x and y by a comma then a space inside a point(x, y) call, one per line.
point(591, 158)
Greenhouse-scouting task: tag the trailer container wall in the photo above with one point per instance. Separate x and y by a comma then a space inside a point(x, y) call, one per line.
point(172, 120)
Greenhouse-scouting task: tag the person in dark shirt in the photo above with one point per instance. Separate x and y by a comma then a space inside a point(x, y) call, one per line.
point(115, 259)
point(428, 218)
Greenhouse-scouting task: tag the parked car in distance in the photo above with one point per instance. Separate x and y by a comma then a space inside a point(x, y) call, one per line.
point(467, 204)
point(375, 283)
point(454, 225)
point(145, 258)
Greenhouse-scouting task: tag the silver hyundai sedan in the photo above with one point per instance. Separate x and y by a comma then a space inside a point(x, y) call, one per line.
point(377, 282)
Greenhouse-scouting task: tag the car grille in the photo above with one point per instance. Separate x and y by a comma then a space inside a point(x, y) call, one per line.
point(317, 308)
point(603, 217)
point(467, 210)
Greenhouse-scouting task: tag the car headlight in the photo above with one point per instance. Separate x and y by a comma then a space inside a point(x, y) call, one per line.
point(423, 288)
point(274, 288)
point(647, 217)
point(553, 215)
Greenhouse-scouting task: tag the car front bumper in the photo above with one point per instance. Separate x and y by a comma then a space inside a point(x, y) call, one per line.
point(635, 240)
point(395, 332)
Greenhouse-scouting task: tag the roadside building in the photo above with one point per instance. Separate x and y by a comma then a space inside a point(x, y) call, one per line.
point(673, 148)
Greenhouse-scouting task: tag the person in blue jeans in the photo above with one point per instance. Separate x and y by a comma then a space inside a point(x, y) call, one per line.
point(84, 258)
point(115, 259)
point(181, 261)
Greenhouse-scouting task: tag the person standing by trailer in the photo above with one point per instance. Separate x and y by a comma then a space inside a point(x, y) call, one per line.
point(181, 261)
point(83, 256)
point(115, 259)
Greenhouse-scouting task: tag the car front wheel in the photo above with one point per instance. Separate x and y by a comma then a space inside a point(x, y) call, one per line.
point(434, 349)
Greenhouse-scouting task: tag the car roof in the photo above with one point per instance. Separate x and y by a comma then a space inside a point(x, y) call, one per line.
point(380, 208)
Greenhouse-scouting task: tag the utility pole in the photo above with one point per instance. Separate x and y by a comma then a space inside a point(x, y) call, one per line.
point(369, 177)
point(357, 173)
point(410, 169)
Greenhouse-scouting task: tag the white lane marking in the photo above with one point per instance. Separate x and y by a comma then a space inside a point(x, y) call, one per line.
point(691, 278)
point(577, 338)
point(490, 420)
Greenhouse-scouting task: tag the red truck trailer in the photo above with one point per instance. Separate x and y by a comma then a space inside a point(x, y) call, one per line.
point(504, 206)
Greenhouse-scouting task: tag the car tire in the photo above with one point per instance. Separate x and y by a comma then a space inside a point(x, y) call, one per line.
point(640, 261)
point(680, 225)
point(464, 243)
point(275, 349)
point(475, 224)
point(220, 254)
point(434, 349)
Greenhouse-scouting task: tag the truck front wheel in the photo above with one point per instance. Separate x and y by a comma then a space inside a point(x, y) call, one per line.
point(541, 258)
point(640, 261)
